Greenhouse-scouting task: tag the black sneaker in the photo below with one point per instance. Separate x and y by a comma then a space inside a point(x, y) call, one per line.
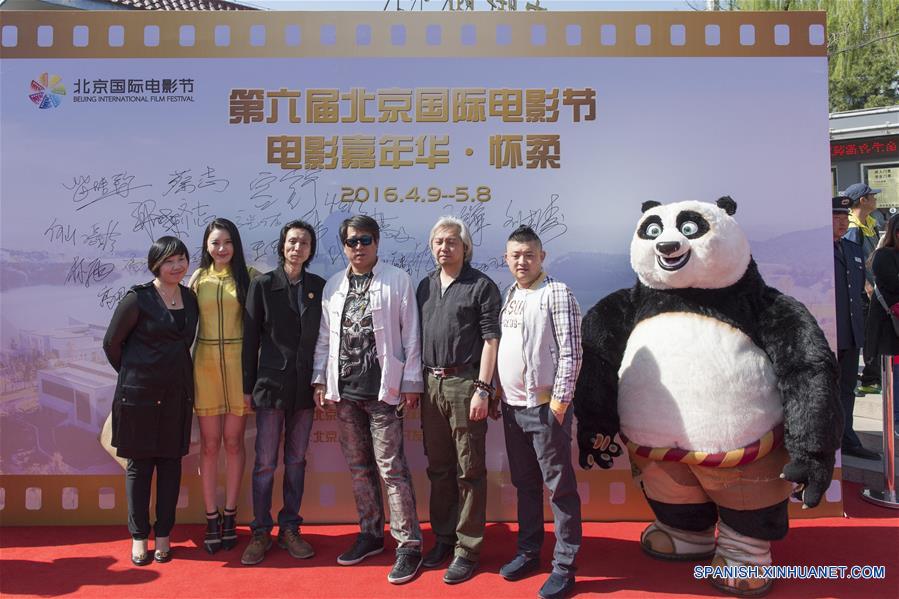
point(365, 546)
point(404, 568)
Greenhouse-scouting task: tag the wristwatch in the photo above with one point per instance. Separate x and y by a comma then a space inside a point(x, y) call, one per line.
point(483, 394)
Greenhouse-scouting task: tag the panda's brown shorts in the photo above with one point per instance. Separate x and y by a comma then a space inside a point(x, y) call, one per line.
point(751, 486)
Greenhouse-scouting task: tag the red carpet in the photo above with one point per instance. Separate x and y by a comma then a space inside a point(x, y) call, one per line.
point(93, 562)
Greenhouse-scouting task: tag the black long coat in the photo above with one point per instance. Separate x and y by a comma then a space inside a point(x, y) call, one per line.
point(279, 340)
point(849, 292)
point(880, 338)
point(151, 409)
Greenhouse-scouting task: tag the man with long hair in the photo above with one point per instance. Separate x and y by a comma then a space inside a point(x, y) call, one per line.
point(281, 322)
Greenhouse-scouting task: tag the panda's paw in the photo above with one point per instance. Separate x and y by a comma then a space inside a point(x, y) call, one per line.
point(812, 476)
point(597, 449)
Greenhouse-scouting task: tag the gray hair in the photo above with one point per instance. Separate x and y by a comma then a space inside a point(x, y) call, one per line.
point(451, 221)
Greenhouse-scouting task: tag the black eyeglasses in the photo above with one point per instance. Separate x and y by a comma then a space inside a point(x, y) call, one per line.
point(365, 240)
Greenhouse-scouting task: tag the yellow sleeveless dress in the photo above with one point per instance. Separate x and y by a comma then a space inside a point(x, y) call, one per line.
point(218, 375)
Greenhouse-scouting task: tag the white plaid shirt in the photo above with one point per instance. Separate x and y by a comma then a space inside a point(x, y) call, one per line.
point(565, 322)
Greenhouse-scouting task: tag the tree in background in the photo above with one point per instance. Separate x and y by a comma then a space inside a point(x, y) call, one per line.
point(863, 46)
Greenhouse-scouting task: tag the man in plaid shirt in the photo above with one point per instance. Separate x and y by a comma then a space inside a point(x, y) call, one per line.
point(538, 364)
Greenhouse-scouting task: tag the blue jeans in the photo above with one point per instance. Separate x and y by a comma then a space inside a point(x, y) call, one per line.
point(539, 452)
point(297, 428)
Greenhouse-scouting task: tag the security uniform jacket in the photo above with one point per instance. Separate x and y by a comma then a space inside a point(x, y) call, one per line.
point(849, 292)
point(880, 338)
point(153, 402)
point(279, 340)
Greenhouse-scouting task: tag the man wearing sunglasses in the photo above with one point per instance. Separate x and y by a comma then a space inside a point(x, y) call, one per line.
point(368, 363)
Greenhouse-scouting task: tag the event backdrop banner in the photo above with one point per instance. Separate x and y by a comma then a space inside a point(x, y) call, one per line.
point(120, 127)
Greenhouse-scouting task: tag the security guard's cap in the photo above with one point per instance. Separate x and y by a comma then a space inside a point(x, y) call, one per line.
point(841, 205)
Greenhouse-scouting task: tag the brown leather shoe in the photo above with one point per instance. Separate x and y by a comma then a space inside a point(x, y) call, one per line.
point(296, 546)
point(260, 542)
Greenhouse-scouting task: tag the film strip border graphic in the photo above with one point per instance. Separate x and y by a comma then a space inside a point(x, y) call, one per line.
point(164, 34)
point(328, 498)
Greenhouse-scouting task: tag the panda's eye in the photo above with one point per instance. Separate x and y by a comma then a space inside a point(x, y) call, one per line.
point(653, 230)
point(689, 228)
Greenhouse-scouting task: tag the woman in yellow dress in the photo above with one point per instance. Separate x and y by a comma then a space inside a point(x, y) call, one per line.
point(221, 285)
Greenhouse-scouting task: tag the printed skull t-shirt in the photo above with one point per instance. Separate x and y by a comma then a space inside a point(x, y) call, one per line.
point(360, 373)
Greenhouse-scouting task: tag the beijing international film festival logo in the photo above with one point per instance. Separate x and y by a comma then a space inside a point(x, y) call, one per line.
point(46, 91)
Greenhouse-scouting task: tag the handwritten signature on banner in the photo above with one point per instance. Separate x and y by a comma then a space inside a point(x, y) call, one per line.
point(178, 221)
point(548, 222)
point(87, 190)
point(101, 236)
point(182, 181)
point(267, 189)
point(475, 218)
point(111, 296)
point(86, 273)
point(61, 233)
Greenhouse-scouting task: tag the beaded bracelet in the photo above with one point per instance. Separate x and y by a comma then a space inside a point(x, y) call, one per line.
point(486, 387)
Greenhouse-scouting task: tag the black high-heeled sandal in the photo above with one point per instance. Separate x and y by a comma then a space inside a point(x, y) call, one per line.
point(229, 528)
point(213, 540)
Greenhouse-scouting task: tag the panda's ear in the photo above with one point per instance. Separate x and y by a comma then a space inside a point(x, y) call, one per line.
point(649, 205)
point(727, 204)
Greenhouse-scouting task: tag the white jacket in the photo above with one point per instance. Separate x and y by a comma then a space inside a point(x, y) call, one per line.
point(394, 314)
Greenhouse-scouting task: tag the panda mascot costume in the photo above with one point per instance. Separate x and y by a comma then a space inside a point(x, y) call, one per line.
point(723, 390)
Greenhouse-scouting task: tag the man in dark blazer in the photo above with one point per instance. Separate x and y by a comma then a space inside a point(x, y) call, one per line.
point(281, 323)
point(849, 291)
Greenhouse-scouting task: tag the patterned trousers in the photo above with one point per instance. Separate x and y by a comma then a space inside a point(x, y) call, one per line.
point(371, 437)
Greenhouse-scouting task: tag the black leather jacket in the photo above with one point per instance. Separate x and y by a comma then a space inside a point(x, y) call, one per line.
point(279, 340)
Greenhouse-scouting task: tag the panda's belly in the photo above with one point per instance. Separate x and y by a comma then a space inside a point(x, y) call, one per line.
point(693, 382)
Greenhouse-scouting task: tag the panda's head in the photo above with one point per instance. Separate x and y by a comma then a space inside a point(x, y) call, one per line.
point(689, 244)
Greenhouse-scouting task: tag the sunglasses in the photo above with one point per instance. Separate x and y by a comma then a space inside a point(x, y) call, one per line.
point(365, 240)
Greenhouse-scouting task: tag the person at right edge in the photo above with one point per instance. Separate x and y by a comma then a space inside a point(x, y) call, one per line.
point(849, 295)
point(863, 232)
point(880, 335)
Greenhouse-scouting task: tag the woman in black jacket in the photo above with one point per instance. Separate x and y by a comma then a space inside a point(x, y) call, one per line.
point(281, 322)
point(880, 337)
point(148, 343)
